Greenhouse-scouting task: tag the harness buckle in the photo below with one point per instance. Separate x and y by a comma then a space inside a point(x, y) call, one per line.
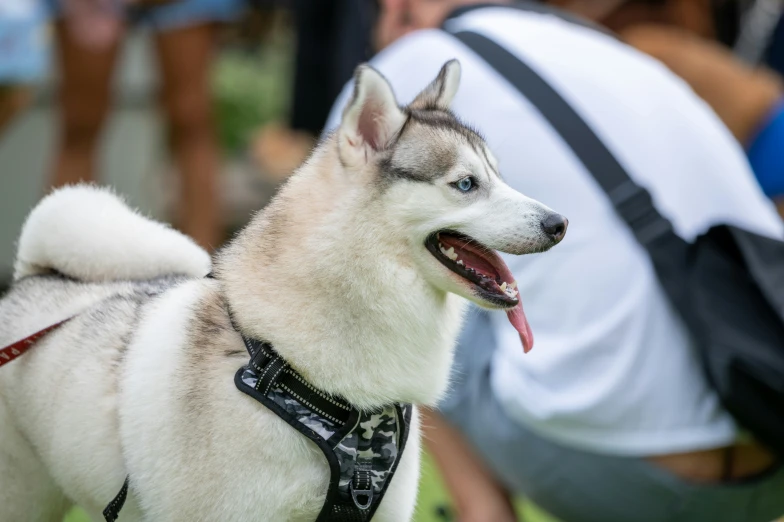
point(363, 498)
point(361, 485)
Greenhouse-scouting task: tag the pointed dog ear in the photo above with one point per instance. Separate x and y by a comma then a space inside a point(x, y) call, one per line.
point(372, 118)
point(438, 95)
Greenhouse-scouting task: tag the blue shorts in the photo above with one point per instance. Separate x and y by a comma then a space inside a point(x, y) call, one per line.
point(25, 53)
point(178, 14)
point(766, 153)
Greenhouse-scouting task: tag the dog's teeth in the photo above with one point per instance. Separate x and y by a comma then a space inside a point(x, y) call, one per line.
point(513, 285)
point(451, 253)
point(503, 287)
point(460, 262)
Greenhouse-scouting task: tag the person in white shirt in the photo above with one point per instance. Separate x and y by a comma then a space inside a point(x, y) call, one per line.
point(609, 418)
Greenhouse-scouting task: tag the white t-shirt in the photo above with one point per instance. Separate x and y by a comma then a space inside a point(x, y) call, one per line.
point(613, 369)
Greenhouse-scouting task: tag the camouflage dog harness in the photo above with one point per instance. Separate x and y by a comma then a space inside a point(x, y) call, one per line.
point(363, 448)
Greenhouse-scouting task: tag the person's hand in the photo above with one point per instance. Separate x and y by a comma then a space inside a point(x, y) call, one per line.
point(394, 21)
point(477, 494)
point(487, 506)
point(397, 18)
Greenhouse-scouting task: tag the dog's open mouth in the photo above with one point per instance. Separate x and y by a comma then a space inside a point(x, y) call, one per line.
point(483, 268)
point(479, 265)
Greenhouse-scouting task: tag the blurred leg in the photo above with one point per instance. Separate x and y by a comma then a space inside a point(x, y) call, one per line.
point(13, 99)
point(185, 56)
point(279, 149)
point(85, 97)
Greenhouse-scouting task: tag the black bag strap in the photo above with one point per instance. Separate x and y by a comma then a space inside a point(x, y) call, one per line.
point(632, 202)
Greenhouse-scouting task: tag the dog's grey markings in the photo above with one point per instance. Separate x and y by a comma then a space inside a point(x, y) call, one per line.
point(433, 162)
point(429, 97)
point(398, 172)
point(448, 121)
point(127, 335)
point(489, 163)
point(395, 139)
point(273, 227)
point(125, 307)
point(445, 120)
point(439, 161)
point(441, 86)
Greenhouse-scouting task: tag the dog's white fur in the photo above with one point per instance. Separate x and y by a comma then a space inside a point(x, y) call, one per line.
point(90, 234)
point(334, 273)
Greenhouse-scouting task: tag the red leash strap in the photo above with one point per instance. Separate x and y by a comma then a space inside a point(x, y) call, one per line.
point(9, 353)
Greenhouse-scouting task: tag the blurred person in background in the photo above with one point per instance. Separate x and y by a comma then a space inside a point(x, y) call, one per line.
point(23, 55)
point(88, 37)
point(609, 418)
point(749, 100)
point(696, 16)
point(730, 52)
point(333, 37)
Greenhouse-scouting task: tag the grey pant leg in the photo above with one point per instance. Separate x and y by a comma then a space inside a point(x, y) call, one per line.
point(580, 486)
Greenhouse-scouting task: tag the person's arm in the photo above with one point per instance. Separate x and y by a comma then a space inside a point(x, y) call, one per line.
point(741, 96)
point(747, 99)
point(477, 495)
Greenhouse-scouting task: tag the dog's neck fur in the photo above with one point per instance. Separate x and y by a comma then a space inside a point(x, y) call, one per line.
point(323, 276)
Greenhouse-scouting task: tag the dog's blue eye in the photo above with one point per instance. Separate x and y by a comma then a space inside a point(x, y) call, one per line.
point(465, 184)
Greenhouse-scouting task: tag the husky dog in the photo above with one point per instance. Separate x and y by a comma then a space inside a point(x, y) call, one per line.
point(357, 273)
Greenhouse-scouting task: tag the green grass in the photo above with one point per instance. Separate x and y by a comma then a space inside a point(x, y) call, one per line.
point(250, 89)
point(432, 494)
point(77, 515)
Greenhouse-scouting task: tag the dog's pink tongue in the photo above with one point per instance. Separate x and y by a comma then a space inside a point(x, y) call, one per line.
point(485, 261)
point(517, 318)
point(516, 315)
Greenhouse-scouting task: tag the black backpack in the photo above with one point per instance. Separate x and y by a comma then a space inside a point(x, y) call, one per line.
point(728, 285)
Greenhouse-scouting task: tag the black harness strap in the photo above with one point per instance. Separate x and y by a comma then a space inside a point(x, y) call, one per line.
point(112, 511)
point(271, 369)
point(362, 448)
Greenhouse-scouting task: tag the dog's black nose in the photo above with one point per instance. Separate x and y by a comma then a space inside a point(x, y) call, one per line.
point(554, 225)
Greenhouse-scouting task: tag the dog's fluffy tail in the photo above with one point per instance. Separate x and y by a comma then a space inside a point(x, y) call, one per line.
point(89, 233)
